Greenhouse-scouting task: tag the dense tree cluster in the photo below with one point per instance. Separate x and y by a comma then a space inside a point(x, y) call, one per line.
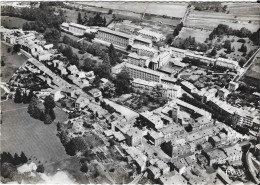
point(67, 52)
point(109, 56)
point(223, 29)
point(209, 6)
point(122, 82)
point(8, 164)
point(97, 20)
point(77, 144)
point(42, 17)
point(177, 29)
point(52, 36)
point(243, 48)
point(42, 111)
point(190, 43)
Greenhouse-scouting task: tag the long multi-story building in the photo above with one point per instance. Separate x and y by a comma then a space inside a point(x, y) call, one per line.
point(143, 73)
point(77, 29)
point(151, 35)
point(142, 61)
point(115, 37)
point(231, 64)
point(143, 50)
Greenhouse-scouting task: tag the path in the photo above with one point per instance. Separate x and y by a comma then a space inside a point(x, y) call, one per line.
point(15, 109)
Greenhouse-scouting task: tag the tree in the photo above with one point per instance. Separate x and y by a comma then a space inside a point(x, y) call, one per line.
point(17, 96)
point(8, 170)
point(47, 119)
point(75, 145)
point(213, 52)
point(110, 11)
point(241, 62)
point(40, 168)
point(79, 19)
point(104, 21)
point(49, 103)
point(16, 48)
point(25, 98)
point(23, 158)
point(52, 114)
point(2, 63)
point(30, 95)
point(113, 58)
point(16, 159)
point(122, 82)
point(52, 36)
point(84, 168)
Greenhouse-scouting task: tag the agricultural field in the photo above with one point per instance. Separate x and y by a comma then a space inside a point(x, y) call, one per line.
point(72, 15)
point(12, 22)
point(12, 63)
point(176, 10)
point(206, 20)
point(200, 34)
point(168, 9)
point(21, 132)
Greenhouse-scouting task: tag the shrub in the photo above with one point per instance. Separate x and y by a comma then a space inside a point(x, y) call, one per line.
point(40, 169)
point(241, 40)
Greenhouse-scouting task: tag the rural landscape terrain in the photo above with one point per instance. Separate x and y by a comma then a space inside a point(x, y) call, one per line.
point(130, 92)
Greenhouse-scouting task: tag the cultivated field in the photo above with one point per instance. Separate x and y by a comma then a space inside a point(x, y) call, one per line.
point(206, 20)
point(20, 132)
point(12, 63)
point(12, 22)
point(199, 34)
point(72, 15)
point(168, 9)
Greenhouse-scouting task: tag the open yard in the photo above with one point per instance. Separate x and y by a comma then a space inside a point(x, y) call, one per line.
point(200, 34)
point(20, 132)
point(12, 22)
point(12, 63)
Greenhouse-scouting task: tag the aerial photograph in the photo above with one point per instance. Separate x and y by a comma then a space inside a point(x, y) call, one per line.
point(130, 92)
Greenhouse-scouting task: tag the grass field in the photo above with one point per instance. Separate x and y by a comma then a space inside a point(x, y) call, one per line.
point(12, 63)
point(169, 9)
point(20, 132)
point(12, 22)
point(210, 20)
point(252, 76)
point(199, 34)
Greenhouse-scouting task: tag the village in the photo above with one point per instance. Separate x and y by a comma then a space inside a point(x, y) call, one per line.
point(175, 118)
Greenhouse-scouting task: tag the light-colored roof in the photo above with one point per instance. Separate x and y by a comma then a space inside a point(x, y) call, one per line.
point(150, 33)
point(78, 26)
point(121, 34)
point(150, 71)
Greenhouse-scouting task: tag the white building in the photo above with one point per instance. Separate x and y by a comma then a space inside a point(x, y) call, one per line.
point(151, 35)
point(231, 64)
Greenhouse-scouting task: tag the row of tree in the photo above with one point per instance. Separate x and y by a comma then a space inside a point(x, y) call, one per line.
point(190, 43)
point(42, 111)
point(97, 20)
point(107, 55)
point(24, 97)
point(223, 29)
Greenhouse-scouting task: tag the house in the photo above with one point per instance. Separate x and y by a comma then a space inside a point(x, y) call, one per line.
point(133, 136)
point(223, 93)
point(95, 93)
point(82, 102)
point(153, 172)
point(156, 138)
point(152, 119)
